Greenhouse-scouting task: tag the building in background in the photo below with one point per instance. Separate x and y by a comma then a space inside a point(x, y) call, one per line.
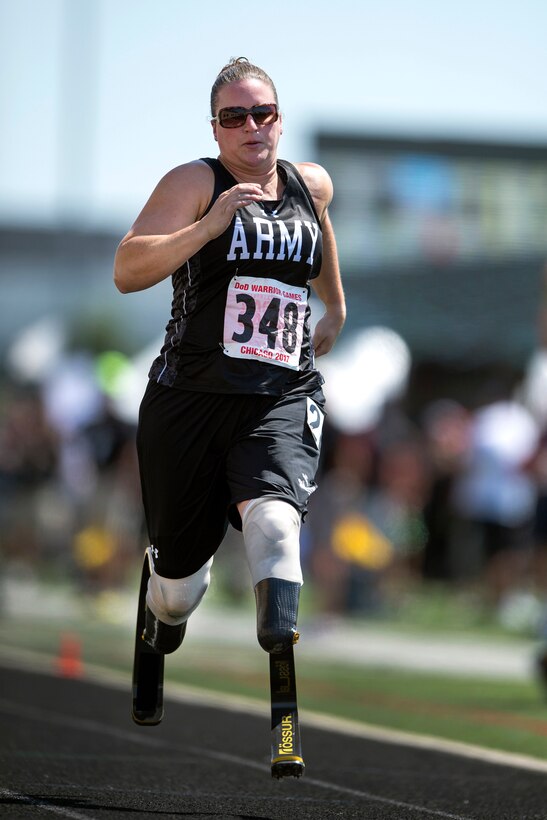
point(65, 274)
point(444, 242)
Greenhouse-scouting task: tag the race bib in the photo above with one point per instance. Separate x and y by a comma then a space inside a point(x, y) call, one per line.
point(264, 320)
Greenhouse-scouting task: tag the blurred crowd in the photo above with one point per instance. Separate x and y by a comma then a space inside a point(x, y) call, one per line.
point(70, 505)
point(455, 496)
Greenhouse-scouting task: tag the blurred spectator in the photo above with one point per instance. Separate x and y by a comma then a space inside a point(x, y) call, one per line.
point(497, 495)
point(366, 524)
point(69, 491)
point(538, 467)
point(344, 552)
point(397, 506)
point(110, 529)
point(446, 426)
point(534, 394)
point(28, 459)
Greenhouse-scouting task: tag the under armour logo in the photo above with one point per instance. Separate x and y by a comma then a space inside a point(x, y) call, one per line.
point(306, 485)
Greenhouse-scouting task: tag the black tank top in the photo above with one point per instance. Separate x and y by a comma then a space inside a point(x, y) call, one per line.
point(240, 312)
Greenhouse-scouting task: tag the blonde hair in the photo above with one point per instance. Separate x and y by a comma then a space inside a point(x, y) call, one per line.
point(239, 68)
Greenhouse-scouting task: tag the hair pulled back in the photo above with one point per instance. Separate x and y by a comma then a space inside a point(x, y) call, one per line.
point(239, 68)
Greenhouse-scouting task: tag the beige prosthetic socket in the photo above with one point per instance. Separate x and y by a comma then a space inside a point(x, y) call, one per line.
point(271, 532)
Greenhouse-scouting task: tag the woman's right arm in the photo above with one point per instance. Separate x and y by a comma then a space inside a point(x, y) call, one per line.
point(171, 227)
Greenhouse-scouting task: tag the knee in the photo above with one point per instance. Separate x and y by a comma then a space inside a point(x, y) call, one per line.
point(271, 532)
point(172, 600)
point(271, 520)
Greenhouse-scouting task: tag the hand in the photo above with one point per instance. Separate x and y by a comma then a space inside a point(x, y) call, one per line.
point(220, 215)
point(326, 332)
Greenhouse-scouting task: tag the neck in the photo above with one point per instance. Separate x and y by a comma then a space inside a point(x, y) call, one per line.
point(268, 178)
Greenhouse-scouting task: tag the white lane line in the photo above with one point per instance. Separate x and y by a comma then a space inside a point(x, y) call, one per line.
point(58, 719)
point(387, 800)
point(183, 693)
point(417, 741)
point(27, 800)
point(324, 784)
point(123, 734)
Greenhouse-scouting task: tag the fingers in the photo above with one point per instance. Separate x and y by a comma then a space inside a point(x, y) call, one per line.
point(325, 335)
point(323, 347)
point(322, 344)
point(240, 196)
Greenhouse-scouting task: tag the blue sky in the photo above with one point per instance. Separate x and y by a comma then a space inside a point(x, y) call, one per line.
point(89, 121)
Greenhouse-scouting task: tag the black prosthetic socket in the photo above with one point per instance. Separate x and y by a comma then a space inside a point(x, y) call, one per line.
point(276, 614)
point(162, 637)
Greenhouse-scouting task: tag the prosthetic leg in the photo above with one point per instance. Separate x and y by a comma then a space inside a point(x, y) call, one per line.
point(277, 610)
point(271, 531)
point(148, 665)
point(165, 604)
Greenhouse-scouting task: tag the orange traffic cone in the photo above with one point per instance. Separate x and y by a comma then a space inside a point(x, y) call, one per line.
point(69, 660)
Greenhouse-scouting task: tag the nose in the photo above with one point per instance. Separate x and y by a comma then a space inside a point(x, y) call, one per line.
point(252, 125)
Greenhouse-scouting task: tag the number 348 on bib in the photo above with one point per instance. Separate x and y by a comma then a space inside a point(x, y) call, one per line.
point(264, 320)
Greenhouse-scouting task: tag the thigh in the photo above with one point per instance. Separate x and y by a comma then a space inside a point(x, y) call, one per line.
point(277, 454)
point(184, 487)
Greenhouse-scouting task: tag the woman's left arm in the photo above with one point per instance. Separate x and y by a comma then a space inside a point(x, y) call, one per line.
point(328, 285)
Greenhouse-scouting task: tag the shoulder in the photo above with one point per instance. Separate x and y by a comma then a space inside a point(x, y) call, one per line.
point(181, 197)
point(196, 175)
point(319, 184)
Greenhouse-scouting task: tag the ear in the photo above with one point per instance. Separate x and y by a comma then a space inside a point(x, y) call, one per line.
point(214, 127)
point(281, 123)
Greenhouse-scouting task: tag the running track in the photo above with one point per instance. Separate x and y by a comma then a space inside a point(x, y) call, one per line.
point(69, 749)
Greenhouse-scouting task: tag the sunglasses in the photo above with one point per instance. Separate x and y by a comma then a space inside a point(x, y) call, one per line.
point(235, 117)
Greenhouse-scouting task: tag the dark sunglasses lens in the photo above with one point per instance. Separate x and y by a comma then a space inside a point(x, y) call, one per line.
point(264, 114)
point(232, 117)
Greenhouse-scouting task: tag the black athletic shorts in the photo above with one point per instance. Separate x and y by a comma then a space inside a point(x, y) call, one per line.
point(202, 453)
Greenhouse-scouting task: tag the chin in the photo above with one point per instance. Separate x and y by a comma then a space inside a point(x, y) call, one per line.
point(255, 156)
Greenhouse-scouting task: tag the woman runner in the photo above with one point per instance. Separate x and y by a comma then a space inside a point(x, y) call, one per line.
point(230, 423)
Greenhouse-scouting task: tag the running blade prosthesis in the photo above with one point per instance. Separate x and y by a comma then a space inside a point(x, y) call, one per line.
point(286, 746)
point(148, 671)
point(148, 666)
